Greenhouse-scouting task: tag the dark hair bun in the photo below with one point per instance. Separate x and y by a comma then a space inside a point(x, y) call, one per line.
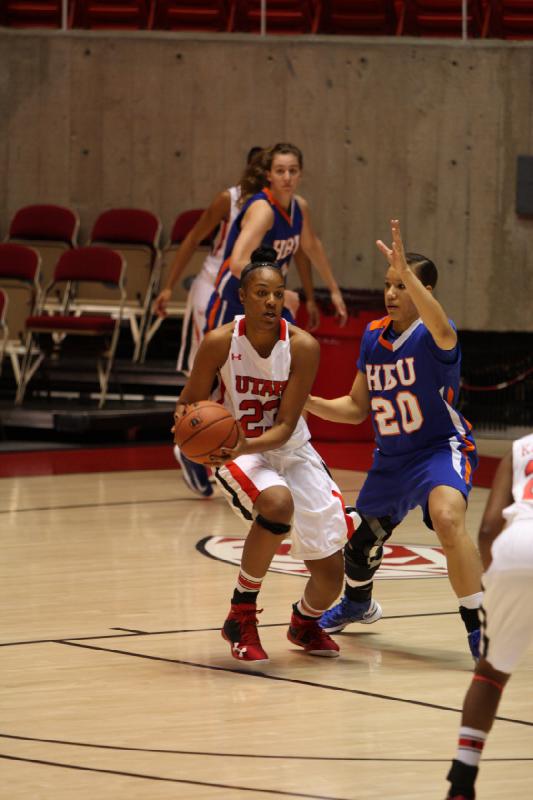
point(264, 255)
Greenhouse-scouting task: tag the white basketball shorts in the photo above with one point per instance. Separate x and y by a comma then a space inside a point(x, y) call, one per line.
point(507, 626)
point(319, 526)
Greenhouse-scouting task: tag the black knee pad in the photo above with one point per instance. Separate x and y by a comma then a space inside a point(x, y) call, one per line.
point(279, 528)
point(364, 552)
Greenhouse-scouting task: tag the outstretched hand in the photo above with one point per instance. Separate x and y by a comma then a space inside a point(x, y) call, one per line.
point(395, 254)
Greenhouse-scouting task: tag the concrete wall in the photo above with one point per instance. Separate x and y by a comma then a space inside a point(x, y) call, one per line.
point(426, 131)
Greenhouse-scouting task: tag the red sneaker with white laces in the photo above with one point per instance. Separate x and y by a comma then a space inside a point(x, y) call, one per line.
point(308, 634)
point(240, 630)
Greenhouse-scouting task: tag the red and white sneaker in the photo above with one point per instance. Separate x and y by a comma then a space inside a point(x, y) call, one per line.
point(240, 630)
point(308, 634)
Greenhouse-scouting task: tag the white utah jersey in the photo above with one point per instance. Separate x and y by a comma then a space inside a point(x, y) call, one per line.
point(252, 386)
point(522, 508)
point(213, 261)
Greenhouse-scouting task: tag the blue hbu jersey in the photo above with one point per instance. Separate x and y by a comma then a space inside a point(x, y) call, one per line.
point(413, 386)
point(283, 236)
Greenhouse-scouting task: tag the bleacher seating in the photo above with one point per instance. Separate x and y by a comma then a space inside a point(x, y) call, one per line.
point(359, 18)
point(135, 234)
point(509, 19)
point(183, 223)
point(442, 18)
point(282, 16)
point(193, 15)
point(20, 280)
point(49, 229)
point(114, 14)
point(49, 336)
point(34, 13)
point(504, 19)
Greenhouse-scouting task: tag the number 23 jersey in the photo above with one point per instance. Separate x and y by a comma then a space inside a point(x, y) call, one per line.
point(252, 386)
point(413, 386)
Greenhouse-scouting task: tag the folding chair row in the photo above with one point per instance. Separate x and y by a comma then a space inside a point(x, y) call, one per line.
point(79, 295)
point(507, 19)
point(135, 233)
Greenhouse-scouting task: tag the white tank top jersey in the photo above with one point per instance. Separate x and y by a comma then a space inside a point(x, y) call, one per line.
point(522, 508)
point(213, 261)
point(252, 386)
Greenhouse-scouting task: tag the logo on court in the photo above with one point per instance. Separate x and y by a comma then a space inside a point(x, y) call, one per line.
point(400, 561)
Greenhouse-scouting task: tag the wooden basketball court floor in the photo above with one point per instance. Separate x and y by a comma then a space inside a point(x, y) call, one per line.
point(117, 684)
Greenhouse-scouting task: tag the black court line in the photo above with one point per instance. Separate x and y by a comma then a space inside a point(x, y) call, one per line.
point(293, 681)
point(144, 776)
point(261, 756)
point(131, 630)
point(191, 630)
point(97, 505)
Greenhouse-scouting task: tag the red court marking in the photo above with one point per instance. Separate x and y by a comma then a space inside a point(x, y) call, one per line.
point(353, 456)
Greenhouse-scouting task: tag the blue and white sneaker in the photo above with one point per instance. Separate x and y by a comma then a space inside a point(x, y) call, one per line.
point(195, 475)
point(347, 611)
point(474, 641)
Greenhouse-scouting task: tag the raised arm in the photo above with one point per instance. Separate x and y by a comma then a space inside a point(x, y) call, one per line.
point(500, 497)
point(431, 312)
point(257, 220)
point(352, 408)
point(314, 249)
point(218, 210)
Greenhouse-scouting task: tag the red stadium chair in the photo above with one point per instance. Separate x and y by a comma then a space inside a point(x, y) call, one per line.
point(114, 14)
point(182, 225)
point(135, 234)
point(20, 280)
point(50, 229)
point(443, 18)
point(193, 15)
point(282, 16)
point(4, 331)
point(359, 18)
point(34, 13)
point(54, 332)
point(509, 19)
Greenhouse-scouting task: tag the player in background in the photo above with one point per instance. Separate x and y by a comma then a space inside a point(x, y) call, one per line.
point(273, 479)
point(219, 215)
point(408, 380)
point(506, 547)
point(274, 215)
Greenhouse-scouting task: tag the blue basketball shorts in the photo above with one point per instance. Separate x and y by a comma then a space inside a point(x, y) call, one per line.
point(397, 484)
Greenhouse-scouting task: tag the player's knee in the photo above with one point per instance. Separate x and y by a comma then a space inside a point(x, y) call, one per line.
point(364, 551)
point(448, 525)
point(274, 510)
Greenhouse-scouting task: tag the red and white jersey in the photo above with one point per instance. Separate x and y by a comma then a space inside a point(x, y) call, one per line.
point(213, 261)
point(252, 386)
point(522, 508)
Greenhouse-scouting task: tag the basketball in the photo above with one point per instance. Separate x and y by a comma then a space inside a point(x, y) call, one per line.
point(204, 429)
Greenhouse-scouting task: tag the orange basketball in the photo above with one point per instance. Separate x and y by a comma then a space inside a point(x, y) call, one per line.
point(204, 429)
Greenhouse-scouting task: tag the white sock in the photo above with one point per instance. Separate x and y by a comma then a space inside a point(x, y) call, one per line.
point(470, 747)
point(471, 600)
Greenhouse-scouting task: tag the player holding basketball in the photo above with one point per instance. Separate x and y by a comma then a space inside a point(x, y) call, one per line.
point(273, 478)
point(408, 379)
point(221, 214)
point(506, 546)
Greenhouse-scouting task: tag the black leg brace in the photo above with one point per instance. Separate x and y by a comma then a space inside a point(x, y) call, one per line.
point(364, 552)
